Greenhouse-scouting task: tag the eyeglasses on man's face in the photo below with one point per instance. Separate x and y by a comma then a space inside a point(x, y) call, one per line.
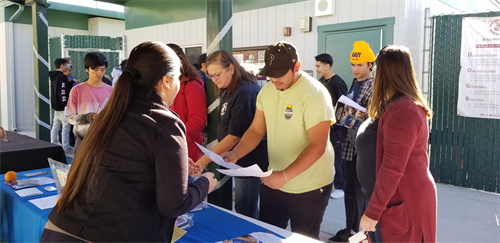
point(216, 76)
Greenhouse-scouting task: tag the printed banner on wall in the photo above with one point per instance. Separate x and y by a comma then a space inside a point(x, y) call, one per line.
point(479, 84)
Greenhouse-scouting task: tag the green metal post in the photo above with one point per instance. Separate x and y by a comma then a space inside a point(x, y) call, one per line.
point(219, 14)
point(41, 69)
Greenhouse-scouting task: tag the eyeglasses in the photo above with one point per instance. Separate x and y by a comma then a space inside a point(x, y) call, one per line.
point(216, 76)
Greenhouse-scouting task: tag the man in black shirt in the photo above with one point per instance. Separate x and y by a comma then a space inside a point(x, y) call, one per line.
point(60, 88)
point(337, 87)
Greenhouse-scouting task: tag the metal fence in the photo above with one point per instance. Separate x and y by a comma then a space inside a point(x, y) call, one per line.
point(463, 151)
point(77, 46)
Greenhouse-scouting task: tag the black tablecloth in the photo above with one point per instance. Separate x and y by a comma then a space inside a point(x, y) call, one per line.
point(23, 153)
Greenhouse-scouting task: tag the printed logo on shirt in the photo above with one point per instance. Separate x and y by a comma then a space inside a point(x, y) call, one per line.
point(223, 109)
point(288, 112)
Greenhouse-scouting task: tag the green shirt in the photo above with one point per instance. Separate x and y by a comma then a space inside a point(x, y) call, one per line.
point(289, 114)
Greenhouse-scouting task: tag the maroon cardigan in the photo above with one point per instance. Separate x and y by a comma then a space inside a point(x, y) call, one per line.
point(404, 199)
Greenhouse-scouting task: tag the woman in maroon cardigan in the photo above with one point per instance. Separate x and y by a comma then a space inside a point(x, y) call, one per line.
point(404, 199)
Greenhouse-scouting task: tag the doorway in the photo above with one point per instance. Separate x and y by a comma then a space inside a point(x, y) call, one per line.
point(337, 40)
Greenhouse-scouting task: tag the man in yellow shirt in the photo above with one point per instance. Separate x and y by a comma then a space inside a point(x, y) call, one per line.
point(295, 110)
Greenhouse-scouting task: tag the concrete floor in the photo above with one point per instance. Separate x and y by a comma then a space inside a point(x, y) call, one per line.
point(464, 215)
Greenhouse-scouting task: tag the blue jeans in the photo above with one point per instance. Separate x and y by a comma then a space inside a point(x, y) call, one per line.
point(246, 201)
point(59, 120)
point(337, 134)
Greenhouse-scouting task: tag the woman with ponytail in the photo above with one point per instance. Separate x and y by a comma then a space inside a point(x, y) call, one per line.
point(128, 182)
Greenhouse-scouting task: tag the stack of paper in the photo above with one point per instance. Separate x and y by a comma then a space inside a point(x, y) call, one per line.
point(38, 181)
point(45, 202)
point(28, 192)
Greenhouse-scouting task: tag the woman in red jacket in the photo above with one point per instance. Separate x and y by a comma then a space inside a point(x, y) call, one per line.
point(190, 103)
point(404, 199)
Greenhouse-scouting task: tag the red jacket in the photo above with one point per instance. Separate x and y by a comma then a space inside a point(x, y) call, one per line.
point(191, 106)
point(404, 199)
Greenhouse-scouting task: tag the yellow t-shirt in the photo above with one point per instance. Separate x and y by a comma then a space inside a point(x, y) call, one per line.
point(289, 114)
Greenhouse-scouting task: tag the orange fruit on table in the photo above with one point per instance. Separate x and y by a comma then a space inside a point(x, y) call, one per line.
point(10, 176)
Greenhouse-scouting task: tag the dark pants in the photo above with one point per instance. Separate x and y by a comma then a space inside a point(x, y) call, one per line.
point(222, 197)
point(72, 137)
point(354, 198)
point(336, 135)
point(304, 210)
point(246, 200)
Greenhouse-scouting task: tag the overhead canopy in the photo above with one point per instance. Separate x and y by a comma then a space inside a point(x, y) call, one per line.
point(119, 2)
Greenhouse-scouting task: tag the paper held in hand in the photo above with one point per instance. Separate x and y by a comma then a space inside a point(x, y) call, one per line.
point(348, 113)
point(234, 169)
point(253, 170)
point(360, 237)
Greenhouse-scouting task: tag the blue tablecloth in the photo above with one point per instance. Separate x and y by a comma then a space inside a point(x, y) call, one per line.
point(21, 221)
point(213, 224)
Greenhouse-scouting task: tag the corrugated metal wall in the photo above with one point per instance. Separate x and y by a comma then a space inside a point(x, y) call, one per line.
point(262, 27)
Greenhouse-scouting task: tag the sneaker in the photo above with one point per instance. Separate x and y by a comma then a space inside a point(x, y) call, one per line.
point(337, 194)
point(341, 236)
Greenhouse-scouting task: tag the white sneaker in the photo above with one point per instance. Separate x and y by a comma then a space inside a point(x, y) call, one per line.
point(337, 194)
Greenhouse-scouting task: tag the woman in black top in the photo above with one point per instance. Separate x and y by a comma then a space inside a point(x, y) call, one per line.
point(366, 145)
point(238, 91)
point(128, 181)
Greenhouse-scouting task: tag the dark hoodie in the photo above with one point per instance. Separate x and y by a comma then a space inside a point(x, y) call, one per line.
point(60, 88)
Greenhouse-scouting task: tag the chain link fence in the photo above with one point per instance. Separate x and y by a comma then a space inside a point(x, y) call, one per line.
point(77, 46)
point(463, 151)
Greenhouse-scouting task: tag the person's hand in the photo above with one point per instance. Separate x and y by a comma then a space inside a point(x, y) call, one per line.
point(229, 157)
point(77, 81)
point(3, 134)
point(94, 116)
point(275, 181)
point(367, 224)
point(211, 178)
point(195, 169)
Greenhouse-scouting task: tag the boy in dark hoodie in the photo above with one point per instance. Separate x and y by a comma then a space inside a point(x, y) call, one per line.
point(60, 88)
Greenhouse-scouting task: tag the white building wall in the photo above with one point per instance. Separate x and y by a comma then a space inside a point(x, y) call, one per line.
point(186, 33)
point(23, 76)
point(263, 27)
point(106, 27)
point(6, 76)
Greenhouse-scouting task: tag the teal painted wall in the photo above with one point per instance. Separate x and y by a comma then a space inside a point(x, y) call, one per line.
point(144, 13)
point(56, 18)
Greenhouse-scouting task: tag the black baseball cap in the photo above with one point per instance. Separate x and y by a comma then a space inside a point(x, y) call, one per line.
point(279, 58)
